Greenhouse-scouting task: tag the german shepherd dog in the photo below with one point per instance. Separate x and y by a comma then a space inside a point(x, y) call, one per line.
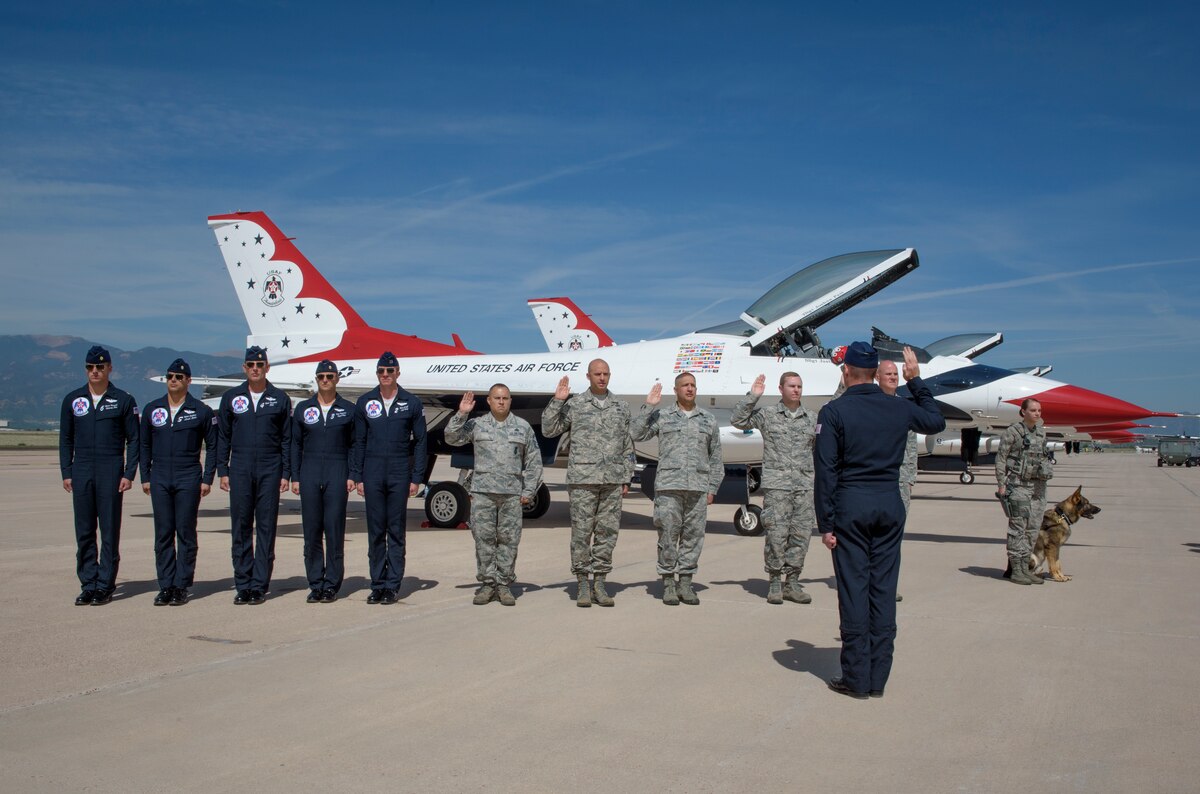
point(1056, 528)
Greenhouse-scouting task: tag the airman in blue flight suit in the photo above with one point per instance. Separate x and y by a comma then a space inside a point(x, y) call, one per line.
point(173, 428)
point(322, 437)
point(388, 466)
point(98, 455)
point(254, 423)
point(860, 443)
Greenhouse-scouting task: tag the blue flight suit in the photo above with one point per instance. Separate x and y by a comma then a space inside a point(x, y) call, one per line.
point(253, 450)
point(97, 447)
point(321, 446)
point(170, 463)
point(389, 455)
point(860, 443)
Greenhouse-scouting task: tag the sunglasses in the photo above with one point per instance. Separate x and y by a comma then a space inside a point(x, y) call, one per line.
point(255, 364)
point(94, 367)
point(176, 376)
point(326, 376)
point(386, 371)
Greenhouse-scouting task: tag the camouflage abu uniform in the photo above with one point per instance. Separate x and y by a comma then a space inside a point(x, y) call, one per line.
point(788, 515)
point(908, 471)
point(689, 468)
point(508, 466)
point(1022, 468)
point(599, 465)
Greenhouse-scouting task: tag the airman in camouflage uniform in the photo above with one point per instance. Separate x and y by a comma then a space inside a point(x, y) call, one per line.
point(689, 473)
point(788, 515)
point(1021, 473)
point(508, 471)
point(599, 468)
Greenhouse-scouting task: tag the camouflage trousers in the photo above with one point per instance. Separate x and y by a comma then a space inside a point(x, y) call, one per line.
point(496, 527)
point(1026, 504)
point(595, 519)
point(789, 520)
point(905, 495)
point(680, 517)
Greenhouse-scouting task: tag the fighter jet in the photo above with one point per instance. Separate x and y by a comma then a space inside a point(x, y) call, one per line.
point(295, 314)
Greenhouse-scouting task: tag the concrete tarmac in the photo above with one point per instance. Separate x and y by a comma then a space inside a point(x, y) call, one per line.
point(1089, 685)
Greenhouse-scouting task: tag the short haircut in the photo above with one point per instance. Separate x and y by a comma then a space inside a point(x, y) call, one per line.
point(789, 374)
point(499, 386)
point(597, 361)
point(682, 375)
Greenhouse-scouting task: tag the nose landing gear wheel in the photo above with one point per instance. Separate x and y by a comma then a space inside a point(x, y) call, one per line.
point(748, 520)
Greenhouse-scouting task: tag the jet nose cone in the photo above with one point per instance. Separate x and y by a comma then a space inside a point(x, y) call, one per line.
point(1071, 405)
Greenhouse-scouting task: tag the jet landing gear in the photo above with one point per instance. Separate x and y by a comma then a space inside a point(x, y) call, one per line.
point(739, 483)
point(448, 505)
point(967, 477)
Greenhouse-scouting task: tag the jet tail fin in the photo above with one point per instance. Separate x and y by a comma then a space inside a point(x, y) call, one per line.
point(292, 311)
point(565, 327)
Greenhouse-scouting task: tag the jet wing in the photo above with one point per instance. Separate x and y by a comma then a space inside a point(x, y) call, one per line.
point(820, 292)
point(965, 345)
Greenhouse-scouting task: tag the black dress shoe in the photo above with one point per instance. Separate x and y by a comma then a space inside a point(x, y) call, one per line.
point(164, 597)
point(242, 597)
point(839, 686)
point(314, 596)
point(876, 693)
point(85, 598)
point(374, 597)
point(328, 596)
point(388, 596)
point(102, 597)
point(179, 597)
point(257, 597)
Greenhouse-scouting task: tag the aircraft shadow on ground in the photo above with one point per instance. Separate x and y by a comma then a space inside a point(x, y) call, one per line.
point(804, 657)
point(931, 538)
point(758, 587)
point(1194, 547)
point(279, 587)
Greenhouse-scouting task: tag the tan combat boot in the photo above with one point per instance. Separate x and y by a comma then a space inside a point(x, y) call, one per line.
point(584, 597)
point(670, 594)
point(774, 591)
point(599, 594)
point(686, 594)
point(794, 591)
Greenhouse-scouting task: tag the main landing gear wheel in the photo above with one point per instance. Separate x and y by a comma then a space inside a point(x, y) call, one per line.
point(748, 520)
point(447, 505)
point(540, 504)
point(966, 478)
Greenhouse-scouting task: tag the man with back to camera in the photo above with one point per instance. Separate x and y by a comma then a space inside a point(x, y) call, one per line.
point(860, 440)
point(787, 479)
point(388, 466)
point(98, 456)
point(1022, 470)
point(690, 471)
point(254, 423)
point(599, 467)
point(506, 475)
point(173, 428)
point(322, 441)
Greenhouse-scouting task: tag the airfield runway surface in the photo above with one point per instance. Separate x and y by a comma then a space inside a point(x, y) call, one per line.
point(1087, 686)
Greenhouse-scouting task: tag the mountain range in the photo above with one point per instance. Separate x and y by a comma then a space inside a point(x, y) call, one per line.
point(36, 372)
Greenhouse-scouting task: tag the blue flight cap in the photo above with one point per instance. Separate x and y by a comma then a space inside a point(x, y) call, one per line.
point(98, 355)
point(255, 353)
point(180, 366)
point(388, 360)
point(327, 366)
point(862, 355)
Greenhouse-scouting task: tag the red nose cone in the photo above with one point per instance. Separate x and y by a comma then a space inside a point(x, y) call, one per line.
point(1071, 405)
point(1093, 429)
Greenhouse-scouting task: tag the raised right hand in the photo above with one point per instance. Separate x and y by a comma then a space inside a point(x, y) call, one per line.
point(467, 404)
point(655, 395)
point(564, 388)
point(760, 386)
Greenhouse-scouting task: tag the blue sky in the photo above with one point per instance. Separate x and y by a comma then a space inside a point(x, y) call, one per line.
point(661, 163)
